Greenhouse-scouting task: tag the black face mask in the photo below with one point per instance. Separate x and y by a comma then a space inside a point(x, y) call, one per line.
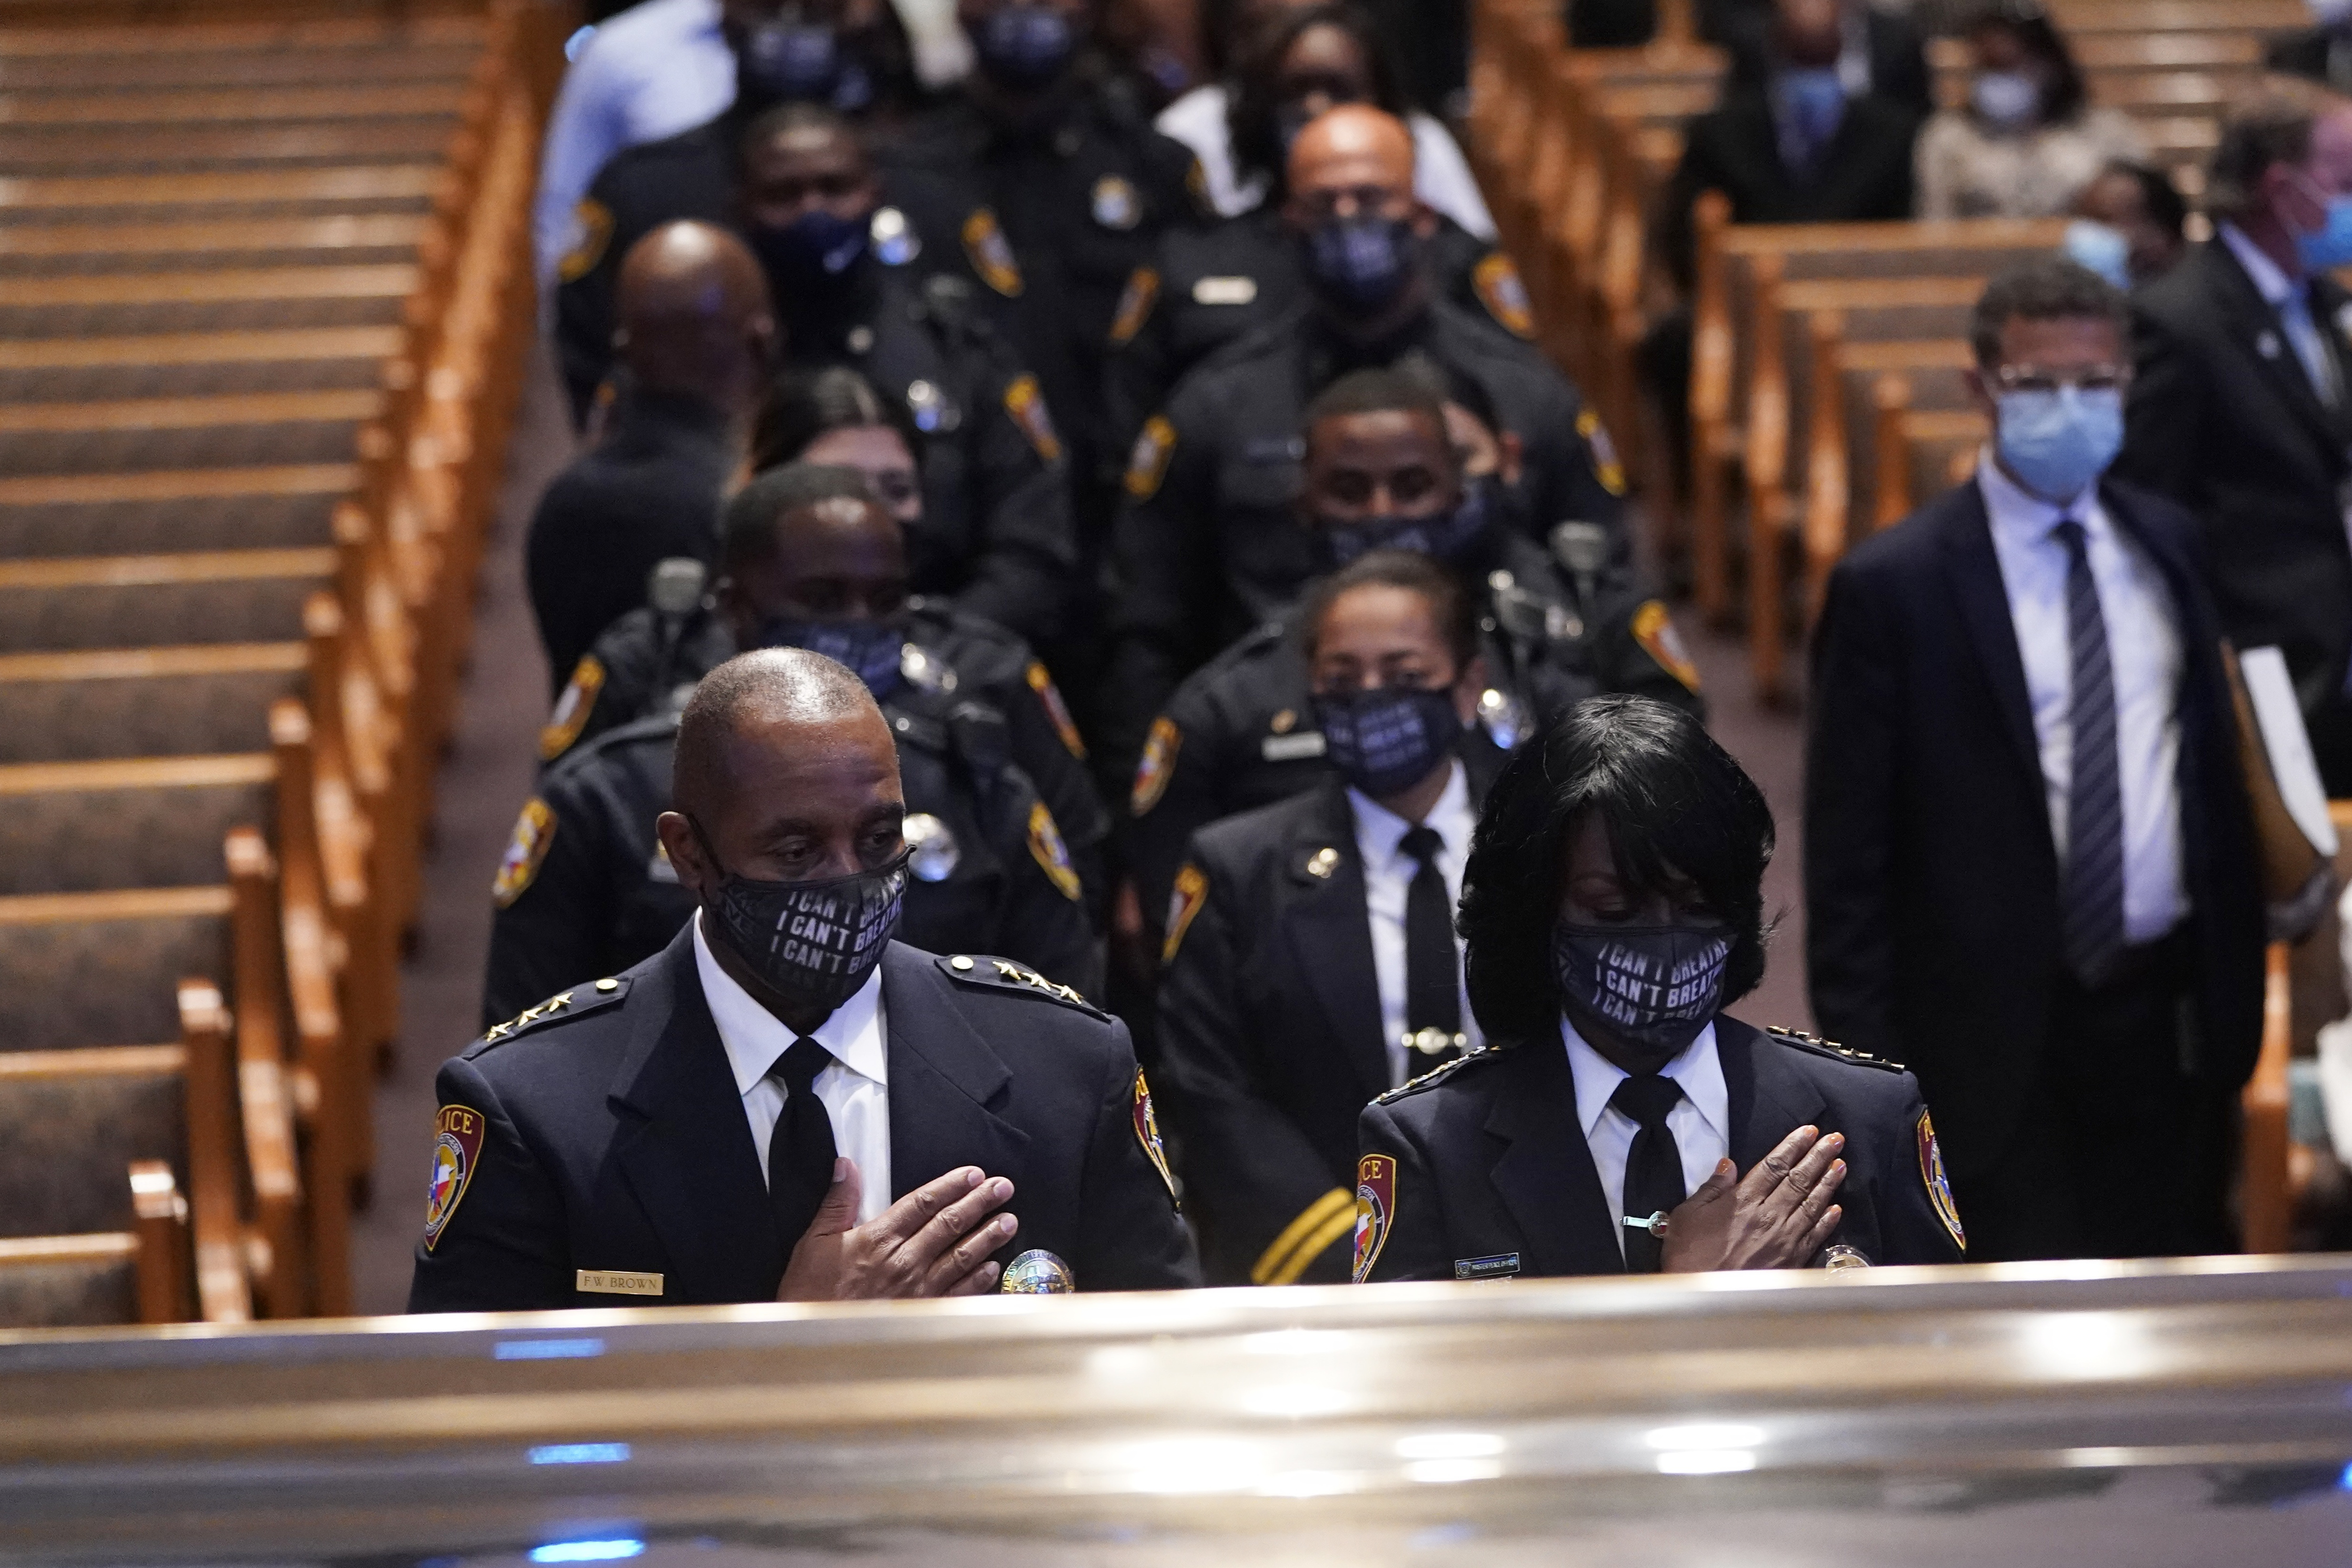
point(788, 60)
point(1652, 986)
point(1361, 266)
point(1023, 47)
point(809, 256)
point(875, 651)
point(1384, 742)
point(812, 943)
point(1448, 537)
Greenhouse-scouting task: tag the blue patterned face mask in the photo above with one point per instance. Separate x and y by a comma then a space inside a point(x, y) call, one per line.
point(1024, 45)
point(1361, 265)
point(812, 943)
point(1386, 741)
point(875, 651)
point(1448, 536)
point(2060, 441)
point(1652, 986)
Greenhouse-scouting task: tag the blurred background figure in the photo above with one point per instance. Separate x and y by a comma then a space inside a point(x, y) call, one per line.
point(2029, 140)
point(2322, 52)
point(2131, 226)
point(1281, 63)
point(1879, 51)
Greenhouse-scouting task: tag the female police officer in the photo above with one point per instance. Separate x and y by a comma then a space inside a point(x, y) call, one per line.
point(1619, 1121)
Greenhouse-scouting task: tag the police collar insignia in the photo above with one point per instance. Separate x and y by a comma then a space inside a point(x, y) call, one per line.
point(1376, 1179)
point(457, 1134)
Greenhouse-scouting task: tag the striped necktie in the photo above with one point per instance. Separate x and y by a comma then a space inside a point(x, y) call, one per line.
point(2091, 901)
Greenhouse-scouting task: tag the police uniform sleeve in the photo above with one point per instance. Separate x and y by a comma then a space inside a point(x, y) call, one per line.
point(1638, 652)
point(1919, 1222)
point(1046, 744)
point(1573, 473)
point(1042, 920)
point(1134, 370)
point(1133, 1238)
point(495, 1229)
point(587, 280)
point(1027, 560)
point(1279, 1218)
point(1163, 574)
point(1399, 1224)
point(551, 904)
point(1174, 795)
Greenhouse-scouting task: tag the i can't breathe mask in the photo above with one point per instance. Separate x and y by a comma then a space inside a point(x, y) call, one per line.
point(1654, 986)
point(812, 943)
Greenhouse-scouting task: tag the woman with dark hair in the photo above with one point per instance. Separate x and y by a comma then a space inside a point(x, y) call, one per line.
point(835, 416)
point(1284, 63)
point(2029, 140)
point(1618, 1119)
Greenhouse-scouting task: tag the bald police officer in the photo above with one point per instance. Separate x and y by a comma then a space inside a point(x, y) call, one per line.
point(785, 1103)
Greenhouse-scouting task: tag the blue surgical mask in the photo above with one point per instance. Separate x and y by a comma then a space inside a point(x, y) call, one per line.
point(1361, 265)
point(2328, 246)
point(2058, 443)
point(1814, 97)
point(2102, 248)
point(2007, 100)
point(1024, 45)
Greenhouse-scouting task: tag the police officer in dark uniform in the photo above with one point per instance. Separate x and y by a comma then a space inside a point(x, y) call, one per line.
point(1043, 185)
point(785, 1103)
point(646, 664)
point(1208, 284)
point(1311, 961)
point(1618, 1120)
point(1203, 552)
point(701, 338)
point(585, 887)
point(1238, 732)
point(848, 275)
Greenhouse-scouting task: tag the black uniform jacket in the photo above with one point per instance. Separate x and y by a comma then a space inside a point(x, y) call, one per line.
point(585, 890)
point(1270, 1036)
point(2222, 420)
point(1208, 284)
point(1931, 881)
point(1046, 221)
point(1209, 545)
point(647, 663)
point(612, 1140)
point(648, 489)
point(1491, 1163)
point(1240, 732)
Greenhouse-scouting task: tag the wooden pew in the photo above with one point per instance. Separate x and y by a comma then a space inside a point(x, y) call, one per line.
point(200, 364)
point(232, 193)
point(175, 107)
point(200, 700)
point(68, 149)
point(2079, 18)
point(118, 304)
point(119, 435)
point(36, 250)
point(1919, 454)
point(183, 597)
point(140, 1275)
point(311, 65)
point(282, 505)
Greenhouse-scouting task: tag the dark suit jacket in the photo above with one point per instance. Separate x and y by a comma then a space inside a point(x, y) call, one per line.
point(2238, 437)
point(1866, 176)
point(1931, 881)
point(648, 490)
point(1898, 57)
point(2320, 54)
point(1492, 1162)
point(616, 1140)
point(1270, 1035)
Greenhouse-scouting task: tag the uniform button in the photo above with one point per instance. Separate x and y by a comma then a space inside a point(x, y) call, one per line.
point(861, 340)
point(959, 962)
point(608, 984)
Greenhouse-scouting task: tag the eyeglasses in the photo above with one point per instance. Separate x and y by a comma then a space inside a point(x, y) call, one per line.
point(2034, 378)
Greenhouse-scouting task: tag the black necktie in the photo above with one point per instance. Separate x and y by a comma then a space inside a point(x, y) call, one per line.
point(801, 1151)
point(1432, 969)
point(1653, 1165)
point(2091, 902)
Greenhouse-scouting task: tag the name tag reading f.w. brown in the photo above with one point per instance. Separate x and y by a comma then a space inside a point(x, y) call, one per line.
point(608, 1282)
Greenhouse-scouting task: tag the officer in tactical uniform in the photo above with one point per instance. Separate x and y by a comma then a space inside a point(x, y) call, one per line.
point(1043, 185)
point(785, 1103)
point(1381, 471)
point(847, 276)
point(1204, 550)
point(1619, 1121)
point(647, 663)
point(1311, 961)
point(585, 888)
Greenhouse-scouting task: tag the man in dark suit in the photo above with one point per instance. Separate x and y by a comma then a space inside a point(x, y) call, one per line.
point(732, 1120)
point(1879, 51)
point(1311, 961)
point(2030, 869)
point(699, 336)
point(2321, 54)
point(1619, 1121)
point(2239, 408)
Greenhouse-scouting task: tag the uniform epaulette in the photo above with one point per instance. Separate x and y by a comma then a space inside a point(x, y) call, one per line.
point(1830, 1048)
point(1004, 974)
point(577, 1002)
point(1439, 1074)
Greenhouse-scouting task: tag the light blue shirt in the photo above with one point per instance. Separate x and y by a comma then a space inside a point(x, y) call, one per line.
point(2291, 298)
point(2143, 650)
point(656, 70)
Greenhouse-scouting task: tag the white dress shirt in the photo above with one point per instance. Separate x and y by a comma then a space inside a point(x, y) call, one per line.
point(855, 1089)
point(1440, 175)
point(1388, 880)
point(654, 70)
point(1700, 1121)
point(2144, 652)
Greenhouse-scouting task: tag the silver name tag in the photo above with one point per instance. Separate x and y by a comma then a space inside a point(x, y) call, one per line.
point(1297, 747)
point(606, 1281)
point(1224, 291)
